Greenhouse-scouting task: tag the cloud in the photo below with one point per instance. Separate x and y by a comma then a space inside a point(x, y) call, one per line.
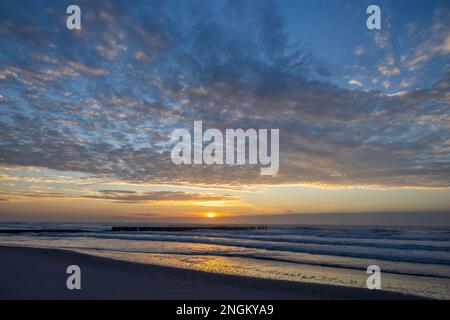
point(388, 72)
point(382, 39)
point(122, 196)
point(104, 101)
point(432, 41)
point(359, 50)
point(387, 66)
point(126, 196)
point(355, 82)
point(43, 195)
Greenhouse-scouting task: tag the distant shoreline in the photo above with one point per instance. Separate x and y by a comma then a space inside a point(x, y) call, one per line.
point(34, 273)
point(139, 229)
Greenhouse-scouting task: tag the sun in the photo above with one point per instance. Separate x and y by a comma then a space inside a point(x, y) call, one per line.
point(210, 215)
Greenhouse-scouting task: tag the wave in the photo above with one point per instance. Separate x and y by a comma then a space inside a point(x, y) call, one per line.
point(403, 250)
point(381, 251)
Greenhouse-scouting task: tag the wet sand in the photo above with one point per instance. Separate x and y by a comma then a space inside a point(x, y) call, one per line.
point(31, 273)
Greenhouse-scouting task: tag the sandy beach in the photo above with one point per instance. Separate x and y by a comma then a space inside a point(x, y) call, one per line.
point(31, 273)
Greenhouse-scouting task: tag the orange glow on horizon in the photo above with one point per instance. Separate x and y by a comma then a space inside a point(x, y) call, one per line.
point(210, 215)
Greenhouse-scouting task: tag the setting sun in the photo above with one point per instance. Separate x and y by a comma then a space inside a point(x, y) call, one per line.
point(210, 215)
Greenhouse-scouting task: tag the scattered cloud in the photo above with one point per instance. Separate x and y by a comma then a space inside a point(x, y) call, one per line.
point(105, 103)
point(431, 42)
point(126, 196)
point(355, 82)
point(387, 67)
point(359, 50)
point(381, 39)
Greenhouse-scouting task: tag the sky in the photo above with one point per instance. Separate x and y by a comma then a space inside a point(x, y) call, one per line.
point(86, 115)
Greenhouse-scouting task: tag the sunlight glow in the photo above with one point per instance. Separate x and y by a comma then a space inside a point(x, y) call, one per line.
point(210, 215)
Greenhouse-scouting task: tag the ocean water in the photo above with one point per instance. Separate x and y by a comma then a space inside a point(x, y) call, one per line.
point(412, 260)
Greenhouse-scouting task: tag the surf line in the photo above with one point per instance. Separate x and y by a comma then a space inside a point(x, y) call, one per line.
point(236, 147)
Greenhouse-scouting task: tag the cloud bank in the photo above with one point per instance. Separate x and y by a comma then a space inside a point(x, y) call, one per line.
point(104, 100)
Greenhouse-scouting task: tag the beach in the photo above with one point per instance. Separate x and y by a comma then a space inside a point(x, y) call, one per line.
point(413, 261)
point(32, 273)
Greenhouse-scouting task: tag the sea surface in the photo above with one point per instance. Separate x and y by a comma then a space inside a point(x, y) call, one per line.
point(412, 260)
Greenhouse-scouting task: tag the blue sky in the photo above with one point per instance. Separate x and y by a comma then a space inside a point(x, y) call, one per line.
point(86, 115)
point(334, 29)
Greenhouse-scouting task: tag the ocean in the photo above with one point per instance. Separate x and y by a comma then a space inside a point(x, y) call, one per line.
point(413, 260)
